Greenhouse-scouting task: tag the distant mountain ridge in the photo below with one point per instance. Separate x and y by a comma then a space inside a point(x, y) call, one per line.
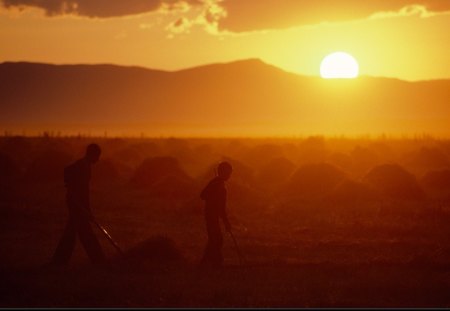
point(245, 97)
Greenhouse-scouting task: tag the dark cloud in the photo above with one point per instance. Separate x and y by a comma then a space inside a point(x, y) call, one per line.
point(248, 15)
point(237, 15)
point(95, 8)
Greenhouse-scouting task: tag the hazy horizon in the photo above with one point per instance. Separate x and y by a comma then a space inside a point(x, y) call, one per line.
point(211, 64)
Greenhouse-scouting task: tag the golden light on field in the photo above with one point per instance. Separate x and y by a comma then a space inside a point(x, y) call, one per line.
point(339, 65)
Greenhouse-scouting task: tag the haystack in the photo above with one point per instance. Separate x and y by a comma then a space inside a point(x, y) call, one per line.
point(18, 148)
point(105, 171)
point(277, 171)
point(48, 166)
point(350, 191)
point(8, 168)
point(8, 174)
point(394, 181)
point(428, 158)
point(174, 187)
point(156, 249)
point(341, 160)
point(262, 154)
point(312, 150)
point(130, 155)
point(363, 160)
point(314, 181)
point(155, 169)
point(437, 183)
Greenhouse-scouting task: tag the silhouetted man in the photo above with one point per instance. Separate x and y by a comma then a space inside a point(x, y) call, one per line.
point(76, 179)
point(215, 197)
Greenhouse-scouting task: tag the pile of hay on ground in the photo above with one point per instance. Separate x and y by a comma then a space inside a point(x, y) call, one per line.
point(8, 167)
point(48, 166)
point(363, 159)
point(341, 160)
point(154, 250)
point(313, 181)
point(18, 148)
point(262, 154)
point(437, 183)
point(105, 171)
point(130, 155)
point(8, 175)
point(164, 178)
point(428, 158)
point(174, 187)
point(312, 150)
point(395, 182)
point(276, 172)
point(154, 169)
point(349, 191)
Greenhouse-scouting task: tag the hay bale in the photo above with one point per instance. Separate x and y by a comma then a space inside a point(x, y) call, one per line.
point(276, 172)
point(313, 181)
point(155, 169)
point(341, 160)
point(262, 154)
point(18, 148)
point(312, 150)
point(428, 158)
point(8, 167)
point(395, 182)
point(350, 191)
point(130, 155)
point(174, 187)
point(363, 159)
point(105, 171)
point(156, 249)
point(8, 175)
point(437, 183)
point(48, 166)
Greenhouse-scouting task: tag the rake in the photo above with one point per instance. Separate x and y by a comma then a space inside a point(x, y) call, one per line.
point(105, 232)
point(238, 251)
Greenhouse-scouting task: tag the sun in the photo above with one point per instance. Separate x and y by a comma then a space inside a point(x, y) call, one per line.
point(339, 65)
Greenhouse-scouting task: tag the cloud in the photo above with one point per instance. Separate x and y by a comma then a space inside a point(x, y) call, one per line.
point(253, 15)
point(99, 8)
point(207, 17)
point(238, 16)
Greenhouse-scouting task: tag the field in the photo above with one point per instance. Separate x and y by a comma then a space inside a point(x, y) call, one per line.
point(321, 222)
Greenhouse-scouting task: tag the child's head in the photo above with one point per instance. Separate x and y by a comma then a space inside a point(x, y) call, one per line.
point(224, 170)
point(93, 152)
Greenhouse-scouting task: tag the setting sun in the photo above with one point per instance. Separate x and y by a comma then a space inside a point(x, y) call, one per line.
point(339, 65)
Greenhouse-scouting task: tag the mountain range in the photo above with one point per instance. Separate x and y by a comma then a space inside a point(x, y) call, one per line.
point(241, 98)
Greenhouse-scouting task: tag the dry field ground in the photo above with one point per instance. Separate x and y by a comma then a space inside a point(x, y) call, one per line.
point(322, 222)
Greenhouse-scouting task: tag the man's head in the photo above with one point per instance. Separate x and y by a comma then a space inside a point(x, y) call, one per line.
point(224, 170)
point(93, 152)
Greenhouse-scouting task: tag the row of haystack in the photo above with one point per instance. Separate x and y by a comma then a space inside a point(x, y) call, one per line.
point(165, 178)
point(323, 180)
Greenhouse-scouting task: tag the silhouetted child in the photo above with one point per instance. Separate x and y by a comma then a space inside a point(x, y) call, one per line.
point(76, 178)
point(215, 197)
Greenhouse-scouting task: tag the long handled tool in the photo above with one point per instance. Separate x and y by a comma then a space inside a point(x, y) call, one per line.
point(103, 230)
point(108, 236)
point(241, 258)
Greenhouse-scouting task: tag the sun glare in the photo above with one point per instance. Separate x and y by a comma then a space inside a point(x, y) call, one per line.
point(339, 65)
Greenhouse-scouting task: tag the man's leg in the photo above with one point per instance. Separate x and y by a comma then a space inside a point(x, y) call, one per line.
point(211, 228)
point(90, 242)
point(217, 249)
point(66, 244)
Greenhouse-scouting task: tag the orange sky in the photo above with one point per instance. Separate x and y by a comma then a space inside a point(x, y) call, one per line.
point(406, 39)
